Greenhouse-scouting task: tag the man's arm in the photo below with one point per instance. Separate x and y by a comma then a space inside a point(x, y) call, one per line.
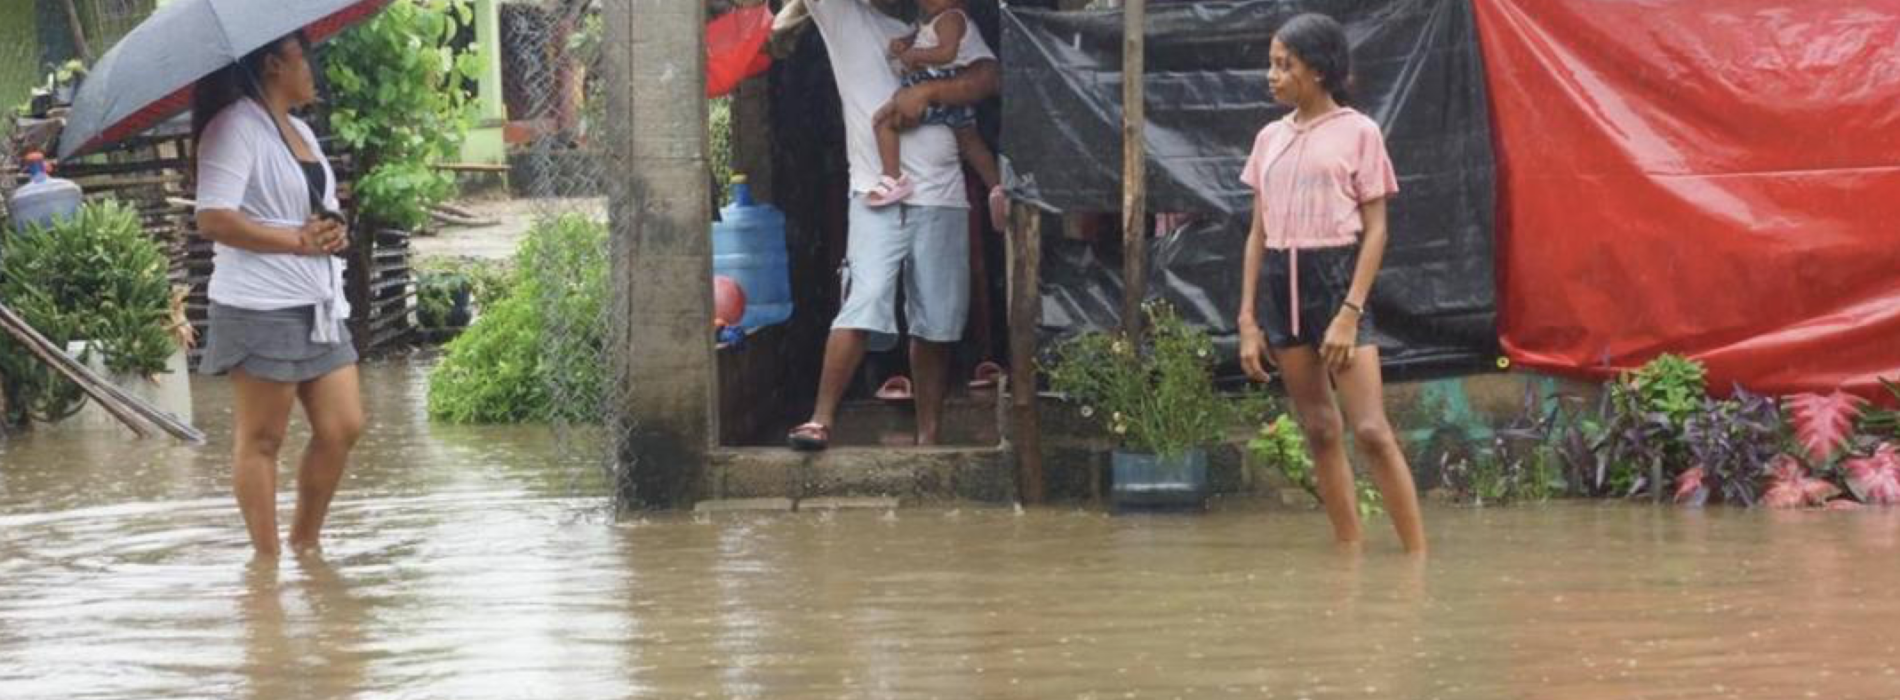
point(979, 82)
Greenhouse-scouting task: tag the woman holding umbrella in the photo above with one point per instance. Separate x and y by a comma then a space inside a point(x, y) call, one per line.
point(266, 198)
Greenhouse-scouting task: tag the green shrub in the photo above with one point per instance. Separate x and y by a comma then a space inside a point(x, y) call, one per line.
point(1645, 420)
point(96, 277)
point(398, 101)
point(1282, 445)
point(536, 354)
point(1670, 385)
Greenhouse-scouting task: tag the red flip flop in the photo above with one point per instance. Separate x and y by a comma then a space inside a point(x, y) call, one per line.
point(895, 389)
point(810, 437)
point(986, 375)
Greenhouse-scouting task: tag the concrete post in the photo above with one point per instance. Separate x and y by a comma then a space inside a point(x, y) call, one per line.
point(661, 248)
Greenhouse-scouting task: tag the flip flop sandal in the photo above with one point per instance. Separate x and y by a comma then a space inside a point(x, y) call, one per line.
point(810, 437)
point(986, 375)
point(895, 389)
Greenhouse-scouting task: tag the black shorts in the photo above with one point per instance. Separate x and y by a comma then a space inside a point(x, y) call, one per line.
point(1325, 278)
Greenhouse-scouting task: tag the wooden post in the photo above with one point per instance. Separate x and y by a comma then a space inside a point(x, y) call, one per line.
point(1025, 314)
point(1134, 166)
point(661, 252)
point(78, 30)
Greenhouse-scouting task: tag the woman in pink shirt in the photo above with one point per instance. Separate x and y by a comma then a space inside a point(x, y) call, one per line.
point(1320, 178)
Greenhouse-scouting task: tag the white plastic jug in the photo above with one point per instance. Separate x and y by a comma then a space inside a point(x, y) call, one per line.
point(43, 198)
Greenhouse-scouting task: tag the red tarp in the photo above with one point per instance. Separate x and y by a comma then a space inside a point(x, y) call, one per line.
point(1714, 178)
point(735, 48)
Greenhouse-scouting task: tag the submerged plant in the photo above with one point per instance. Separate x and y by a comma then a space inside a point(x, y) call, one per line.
point(1520, 463)
point(1790, 486)
point(1883, 422)
point(1875, 479)
point(1824, 423)
point(1282, 444)
point(1644, 416)
point(537, 354)
point(1732, 443)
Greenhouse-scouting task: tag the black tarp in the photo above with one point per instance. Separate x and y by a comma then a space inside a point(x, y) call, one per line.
point(1418, 72)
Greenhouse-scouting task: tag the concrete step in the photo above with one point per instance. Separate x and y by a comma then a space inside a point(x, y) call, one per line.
point(910, 475)
point(969, 420)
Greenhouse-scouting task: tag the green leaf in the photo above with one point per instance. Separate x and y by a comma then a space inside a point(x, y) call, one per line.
point(402, 112)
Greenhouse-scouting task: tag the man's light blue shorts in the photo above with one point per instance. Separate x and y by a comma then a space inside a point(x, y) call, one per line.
point(930, 246)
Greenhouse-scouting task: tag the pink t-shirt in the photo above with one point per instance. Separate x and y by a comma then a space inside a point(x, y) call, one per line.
point(1311, 178)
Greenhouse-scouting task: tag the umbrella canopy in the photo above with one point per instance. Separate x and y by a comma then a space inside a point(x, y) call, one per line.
point(147, 77)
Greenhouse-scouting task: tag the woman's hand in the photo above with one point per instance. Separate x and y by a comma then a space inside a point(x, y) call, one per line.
point(322, 236)
point(1342, 335)
point(1254, 357)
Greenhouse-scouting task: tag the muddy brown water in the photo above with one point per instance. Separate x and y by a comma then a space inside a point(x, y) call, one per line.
point(477, 563)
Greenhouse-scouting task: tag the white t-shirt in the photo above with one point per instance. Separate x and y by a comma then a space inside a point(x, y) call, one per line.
point(858, 37)
point(245, 166)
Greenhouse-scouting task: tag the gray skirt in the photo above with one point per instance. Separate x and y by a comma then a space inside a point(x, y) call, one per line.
point(272, 345)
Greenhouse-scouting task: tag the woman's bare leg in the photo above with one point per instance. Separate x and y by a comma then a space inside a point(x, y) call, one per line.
point(334, 406)
point(262, 415)
point(1309, 387)
point(1362, 390)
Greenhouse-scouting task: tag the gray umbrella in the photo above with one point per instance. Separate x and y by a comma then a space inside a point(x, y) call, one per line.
point(147, 77)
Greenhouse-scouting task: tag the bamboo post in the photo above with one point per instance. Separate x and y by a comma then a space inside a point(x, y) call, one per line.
point(78, 30)
point(1025, 313)
point(1134, 166)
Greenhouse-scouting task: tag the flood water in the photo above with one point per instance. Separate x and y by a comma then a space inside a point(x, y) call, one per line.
point(474, 563)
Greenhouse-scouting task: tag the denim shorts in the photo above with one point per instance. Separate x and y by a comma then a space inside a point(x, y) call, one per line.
point(927, 250)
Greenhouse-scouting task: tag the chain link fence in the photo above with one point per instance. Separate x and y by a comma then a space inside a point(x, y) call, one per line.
point(568, 105)
point(111, 20)
point(555, 83)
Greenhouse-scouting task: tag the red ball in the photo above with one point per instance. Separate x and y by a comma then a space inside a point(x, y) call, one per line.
point(728, 300)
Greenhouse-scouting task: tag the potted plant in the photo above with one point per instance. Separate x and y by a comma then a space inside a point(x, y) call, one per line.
point(442, 300)
point(1155, 395)
point(96, 283)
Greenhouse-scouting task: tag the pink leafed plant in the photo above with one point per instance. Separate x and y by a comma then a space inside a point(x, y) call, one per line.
point(1876, 479)
point(1790, 486)
point(1692, 486)
point(1824, 421)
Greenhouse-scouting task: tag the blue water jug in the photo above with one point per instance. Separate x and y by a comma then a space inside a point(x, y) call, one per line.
point(749, 247)
point(43, 198)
